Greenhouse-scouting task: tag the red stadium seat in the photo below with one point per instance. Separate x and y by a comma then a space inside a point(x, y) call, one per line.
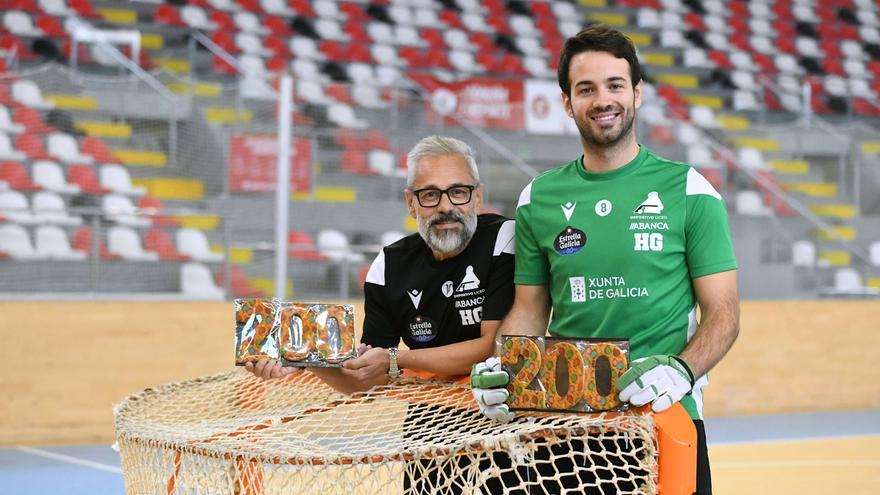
point(251, 6)
point(437, 58)
point(224, 40)
point(97, 149)
point(772, 101)
point(16, 177)
point(376, 140)
point(84, 176)
point(154, 208)
point(29, 6)
point(32, 146)
point(302, 7)
point(451, 19)
point(278, 25)
point(223, 21)
point(301, 245)
point(339, 92)
point(353, 11)
point(483, 41)
point(51, 26)
point(415, 57)
point(862, 106)
point(82, 241)
point(355, 161)
point(160, 241)
point(240, 284)
point(695, 21)
point(434, 38)
point(167, 15)
point(31, 120)
point(277, 44)
point(220, 66)
point(84, 8)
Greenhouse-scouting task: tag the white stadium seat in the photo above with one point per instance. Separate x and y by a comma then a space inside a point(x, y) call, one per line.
point(6, 123)
point(343, 116)
point(28, 94)
point(126, 242)
point(196, 281)
point(304, 47)
point(193, 243)
point(334, 245)
point(116, 179)
point(803, 254)
point(277, 7)
point(15, 241)
point(248, 22)
point(196, 18)
point(20, 24)
point(7, 152)
point(52, 242)
point(49, 207)
point(750, 203)
point(56, 8)
point(65, 148)
point(120, 209)
point(15, 208)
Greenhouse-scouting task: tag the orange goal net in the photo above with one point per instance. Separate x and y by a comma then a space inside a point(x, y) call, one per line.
point(236, 434)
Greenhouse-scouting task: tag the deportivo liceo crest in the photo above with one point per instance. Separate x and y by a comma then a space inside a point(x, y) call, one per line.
point(651, 204)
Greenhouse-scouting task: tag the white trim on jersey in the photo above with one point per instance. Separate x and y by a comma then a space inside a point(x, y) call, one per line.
point(506, 239)
point(376, 275)
point(697, 184)
point(692, 323)
point(525, 197)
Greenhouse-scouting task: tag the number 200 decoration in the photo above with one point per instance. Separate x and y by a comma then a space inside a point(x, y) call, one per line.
point(563, 374)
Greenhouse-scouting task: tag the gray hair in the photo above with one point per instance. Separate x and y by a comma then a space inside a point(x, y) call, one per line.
point(433, 146)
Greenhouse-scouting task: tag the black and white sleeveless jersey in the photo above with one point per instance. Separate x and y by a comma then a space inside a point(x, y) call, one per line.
point(428, 303)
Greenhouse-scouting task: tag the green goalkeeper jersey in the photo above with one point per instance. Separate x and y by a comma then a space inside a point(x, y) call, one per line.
point(618, 251)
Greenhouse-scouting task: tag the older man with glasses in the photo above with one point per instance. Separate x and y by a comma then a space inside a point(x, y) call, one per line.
point(443, 291)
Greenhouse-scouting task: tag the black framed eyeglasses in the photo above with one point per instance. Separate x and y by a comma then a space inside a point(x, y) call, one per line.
point(458, 195)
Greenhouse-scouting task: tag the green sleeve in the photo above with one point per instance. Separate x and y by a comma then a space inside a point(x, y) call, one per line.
point(707, 231)
point(532, 267)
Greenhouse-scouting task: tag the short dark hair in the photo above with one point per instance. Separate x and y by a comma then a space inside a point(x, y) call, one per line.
point(598, 38)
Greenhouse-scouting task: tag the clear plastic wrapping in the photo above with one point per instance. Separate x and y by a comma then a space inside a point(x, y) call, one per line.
point(563, 374)
point(297, 334)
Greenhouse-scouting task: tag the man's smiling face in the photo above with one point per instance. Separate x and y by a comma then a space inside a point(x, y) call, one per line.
point(603, 100)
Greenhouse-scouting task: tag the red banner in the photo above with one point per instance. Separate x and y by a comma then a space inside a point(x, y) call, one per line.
point(253, 162)
point(483, 102)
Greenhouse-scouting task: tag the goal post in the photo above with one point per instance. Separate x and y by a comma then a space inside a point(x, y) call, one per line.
point(234, 433)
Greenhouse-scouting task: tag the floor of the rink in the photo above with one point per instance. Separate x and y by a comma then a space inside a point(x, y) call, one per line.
point(798, 454)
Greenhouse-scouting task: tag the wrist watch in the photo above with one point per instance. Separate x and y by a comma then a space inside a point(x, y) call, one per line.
point(393, 370)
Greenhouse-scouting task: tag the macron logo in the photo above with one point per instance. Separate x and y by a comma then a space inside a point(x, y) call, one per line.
point(415, 296)
point(568, 210)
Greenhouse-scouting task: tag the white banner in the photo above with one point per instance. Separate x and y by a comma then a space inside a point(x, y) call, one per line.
point(544, 111)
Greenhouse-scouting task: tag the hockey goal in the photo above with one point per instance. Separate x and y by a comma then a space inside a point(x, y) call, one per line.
point(235, 434)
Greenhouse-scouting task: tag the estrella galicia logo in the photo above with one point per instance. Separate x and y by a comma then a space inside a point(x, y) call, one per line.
point(570, 241)
point(422, 329)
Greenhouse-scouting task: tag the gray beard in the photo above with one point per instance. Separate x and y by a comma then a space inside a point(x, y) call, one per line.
point(451, 241)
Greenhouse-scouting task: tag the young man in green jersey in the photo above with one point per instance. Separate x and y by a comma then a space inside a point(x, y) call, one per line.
point(620, 243)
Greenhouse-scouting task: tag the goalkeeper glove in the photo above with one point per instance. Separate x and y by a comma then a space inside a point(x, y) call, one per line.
point(661, 380)
point(488, 383)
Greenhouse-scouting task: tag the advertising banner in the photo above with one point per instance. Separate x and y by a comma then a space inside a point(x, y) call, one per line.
point(253, 163)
